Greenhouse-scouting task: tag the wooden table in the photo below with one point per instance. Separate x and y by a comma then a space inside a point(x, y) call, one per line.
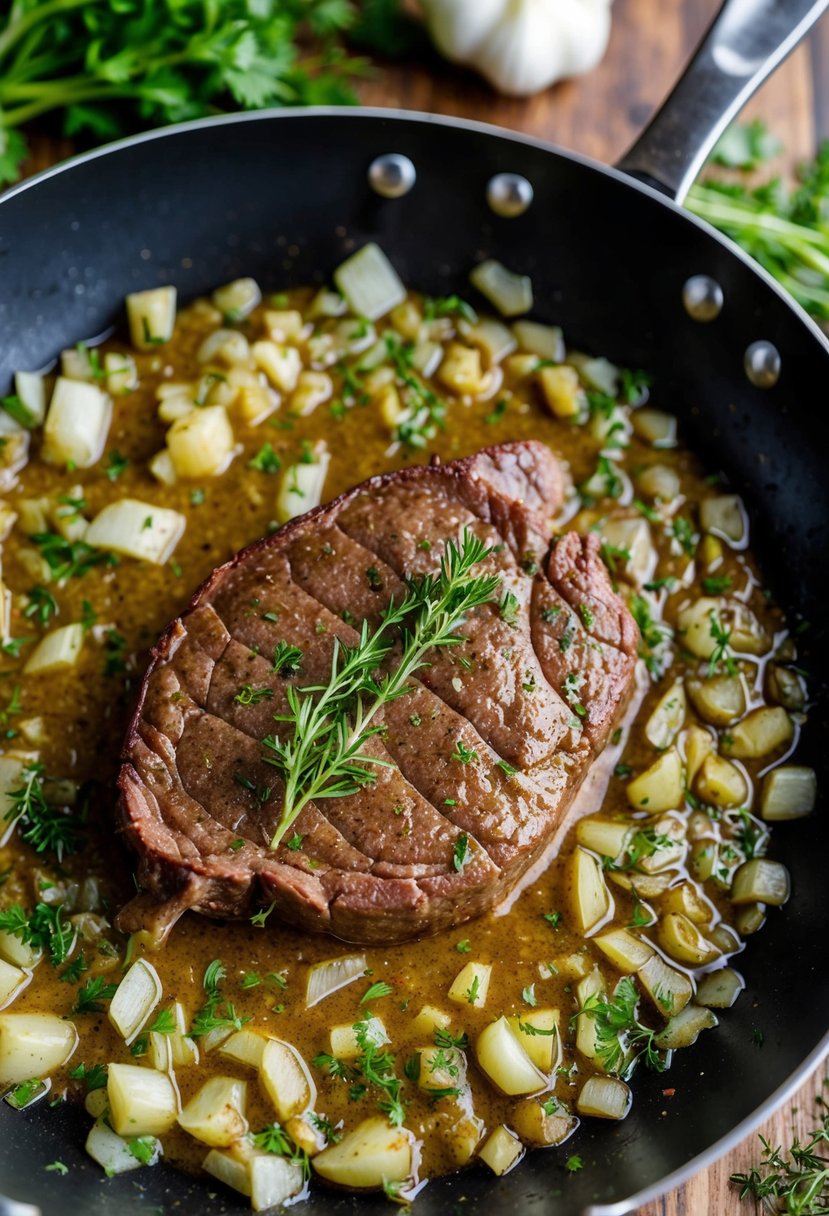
point(599, 115)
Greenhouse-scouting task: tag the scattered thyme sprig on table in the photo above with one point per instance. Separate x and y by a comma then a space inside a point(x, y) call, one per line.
point(795, 1182)
point(323, 756)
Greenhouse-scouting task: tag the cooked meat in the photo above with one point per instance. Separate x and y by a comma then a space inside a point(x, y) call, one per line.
point(487, 748)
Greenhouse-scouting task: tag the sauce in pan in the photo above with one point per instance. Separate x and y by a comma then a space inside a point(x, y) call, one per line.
point(621, 950)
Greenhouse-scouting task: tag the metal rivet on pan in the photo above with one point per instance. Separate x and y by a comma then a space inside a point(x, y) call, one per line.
point(702, 297)
point(762, 364)
point(391, 175)
point(509, 194)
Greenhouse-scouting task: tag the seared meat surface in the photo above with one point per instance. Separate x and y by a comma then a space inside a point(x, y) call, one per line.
point(488, 748)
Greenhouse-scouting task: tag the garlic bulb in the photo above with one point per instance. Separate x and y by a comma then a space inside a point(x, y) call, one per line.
point(521, 46)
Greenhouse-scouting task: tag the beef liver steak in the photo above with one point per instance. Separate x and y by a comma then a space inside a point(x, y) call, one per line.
point(533, 696)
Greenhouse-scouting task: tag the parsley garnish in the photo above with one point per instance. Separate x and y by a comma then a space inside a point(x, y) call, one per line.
point(93, 992)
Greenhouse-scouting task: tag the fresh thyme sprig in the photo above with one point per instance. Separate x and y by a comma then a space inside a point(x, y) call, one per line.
point(323, 757)
point(45, 827)
point(794, 1182)
point(620, 1037)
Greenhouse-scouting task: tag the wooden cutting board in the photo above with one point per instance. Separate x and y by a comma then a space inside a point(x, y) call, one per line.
point(599, 115)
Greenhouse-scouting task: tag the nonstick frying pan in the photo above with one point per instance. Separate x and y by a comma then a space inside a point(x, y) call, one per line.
point(284, 196)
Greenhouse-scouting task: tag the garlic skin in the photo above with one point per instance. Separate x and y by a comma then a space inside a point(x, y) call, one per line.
point(521, 46)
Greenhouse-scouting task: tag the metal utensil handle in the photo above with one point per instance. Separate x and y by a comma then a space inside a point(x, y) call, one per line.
point(743, 45)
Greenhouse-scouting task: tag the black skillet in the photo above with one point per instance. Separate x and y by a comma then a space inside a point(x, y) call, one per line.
point(283, 196)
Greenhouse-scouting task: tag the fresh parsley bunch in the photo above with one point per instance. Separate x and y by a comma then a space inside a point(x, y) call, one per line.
point(107, 66)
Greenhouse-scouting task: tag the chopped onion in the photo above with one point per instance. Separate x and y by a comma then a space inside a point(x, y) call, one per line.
point(113, 1152)
point(494, 339)
point(344, 1044)
point(33, 1045)
point(371, 1155)
point(138, 529)
point(226, 345)
point(77, 424)
point(505, 1061)
point(162, 468)
point(325, 978)
point(685, 1028)
point(286, 1079)
point(761, 881)
point(302, 485)
point(273, 1181)
point(511, 294)
point(216, 1113)
point(152, 317)
point(121, 373)
point(604, 1098)
point(667, 717)
point(31, 392)
point(57, 651)
point(230, 1167)
point(369, 282)
point(137, 996)
point(656, 427)
point(12, 982)
point(142, 1101)
point(789, 792)
point(589, 897)
point(725, 516)
point(502, 1151)
point(471, 985)
point(237, 300)
point(599, 374)
point(244, 1047)
point(720, 989)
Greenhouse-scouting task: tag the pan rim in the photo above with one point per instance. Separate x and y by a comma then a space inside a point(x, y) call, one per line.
point(395, 115)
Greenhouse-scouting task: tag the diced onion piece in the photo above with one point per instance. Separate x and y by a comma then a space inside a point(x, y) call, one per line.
point(511, 294)
point(720, 989)
point(237, 300)
point(658, 482)
point(605, 836)
point(230, 1167)
point(286, 1079)
point(215, 1037)
point(587, 1037)
point(784, 686)
point(121, 373)
point(494, 339)
point(369, 282)
point(281, 364)
point(135, 999)
point(660, 787)
point(655, 427)
point(160, 1051)
point(216, 1113)
point(725, 516)
point(30, 389)
point(687, 901)
point(312, 389)
point(367, 1157)
point(502, 1151)
point(95, 1103)
point(310, 1139)
point(12, 949)
point(789, 792)
point(719, 700)
point(429, 1020)
point(183, 1050)
point(681, 939)
point(273, 1180)
point(471, 985)
point(562, 392)
point(543, 1048)
point(283, 324)
point(633, 537)
point(113, 1152)
point(330, 976)
point(33, 1045)
point(302, 485)
point(611, 428)
point(685, 1028)
point(505, 1062)
point(344, 1043)
point(667, 717)
point(720, 783)
point(407, 319)
point(698, 744)
point(625, 950)
point(201, 443)
point(546, 341)
point(461, 371)
point(174, 407)
point(761, 881)
point(57, 651)
point(162, 468)
point(441, 1068)
point(225, 346)
point(12, 982)
point(604, 1098)
point(669, 989)
point(538, 1129)
point(589, 896)
point(77, 424)
point(426, 357)
point(695, 624)
point(390, 407)
point(142, 1101)
point(646, 886)
point(598, 373)
point(761, 732)
point(76, 363)
point(245, 1047)
point(152, 317)
point(137, 529)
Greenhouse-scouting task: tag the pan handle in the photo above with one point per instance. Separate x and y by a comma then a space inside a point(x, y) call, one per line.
point(743, 45)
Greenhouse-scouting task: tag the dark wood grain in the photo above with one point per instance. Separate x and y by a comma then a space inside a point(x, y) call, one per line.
point(599, 115)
